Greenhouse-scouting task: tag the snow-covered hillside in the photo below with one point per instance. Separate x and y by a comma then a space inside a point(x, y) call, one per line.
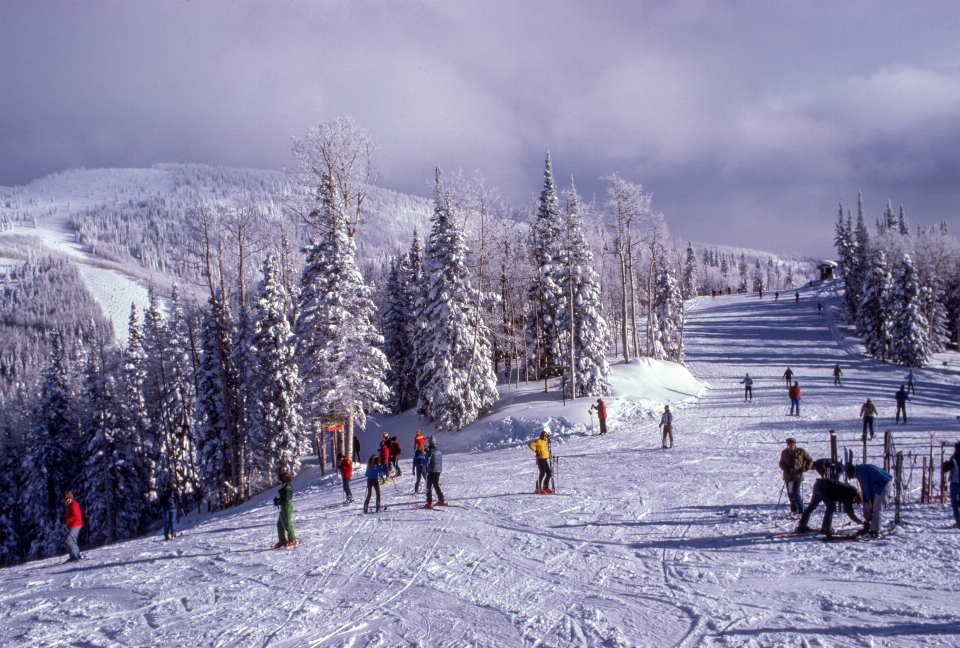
point(640, 546)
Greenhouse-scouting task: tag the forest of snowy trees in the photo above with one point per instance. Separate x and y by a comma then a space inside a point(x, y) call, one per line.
point(277, 324)
point(902, 288)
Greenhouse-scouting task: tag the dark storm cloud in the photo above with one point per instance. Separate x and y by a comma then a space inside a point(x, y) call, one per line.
point(748, 121)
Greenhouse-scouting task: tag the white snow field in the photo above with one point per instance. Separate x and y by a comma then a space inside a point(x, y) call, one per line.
point(639, 547)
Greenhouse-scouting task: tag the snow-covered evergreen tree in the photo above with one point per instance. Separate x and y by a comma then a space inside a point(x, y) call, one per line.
point(591, 333)
point(874, 310)
point(338, 346)
point(670, 317)
point(691, 278)
point(548, 227)
point(135, 414)
point(277, 435)
point(52, 463)
point(742, 287)
point(758, 281)
point(216, 452)
point(908, 328)
point(396, 334)
point(455, 379)
point(12, 540)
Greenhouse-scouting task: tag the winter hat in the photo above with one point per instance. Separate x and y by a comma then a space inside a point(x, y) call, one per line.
point(791, 440)
point(171, 485)
point(285, 477)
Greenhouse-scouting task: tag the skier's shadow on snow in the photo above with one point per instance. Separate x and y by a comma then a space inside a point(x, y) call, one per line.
point(718, 543)
point(126, 563)
point(895, 630)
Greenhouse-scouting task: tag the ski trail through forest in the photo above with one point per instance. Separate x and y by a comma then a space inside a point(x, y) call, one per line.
point(640, 547)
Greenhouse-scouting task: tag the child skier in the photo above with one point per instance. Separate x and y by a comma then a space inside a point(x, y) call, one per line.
point(345, 468)
point(540, 448)
point(73, 520)
point(419, 468)
point(287, 537)
point(374, 471)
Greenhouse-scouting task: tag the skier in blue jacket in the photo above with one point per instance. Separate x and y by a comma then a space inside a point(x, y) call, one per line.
point(875, 485)
point(952, 466)
point(419, 468)
point(747, 383)
point(911, 383)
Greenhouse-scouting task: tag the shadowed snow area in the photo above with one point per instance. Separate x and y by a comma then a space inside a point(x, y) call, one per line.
point(639, 547)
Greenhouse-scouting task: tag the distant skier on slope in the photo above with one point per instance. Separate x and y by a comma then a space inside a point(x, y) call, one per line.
point(794, 462)
point(747, 383)
point(539, 447)
point(419, 468)
point(902, 399)
point(73, 520)
point(911, 383)
point(345, 468)
point(837, 375)
point(868, 411)
point(788, 376)
point(356, 449)
point(831, 492)
point(434, 468)
point(169, 501)
point(601, 409)
point(819, 309)
point(287, 536)
point(875, 484)
point(952, 466)
point(666, 422)
point(794, 394)
point(796, 297)
point(373, 474)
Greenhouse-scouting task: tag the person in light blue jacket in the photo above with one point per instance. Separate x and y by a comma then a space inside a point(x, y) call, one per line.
point(875, 485)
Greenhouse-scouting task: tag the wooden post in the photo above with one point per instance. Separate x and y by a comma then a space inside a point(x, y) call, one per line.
point(833, 446)
point(943, 475)
point(898, 483)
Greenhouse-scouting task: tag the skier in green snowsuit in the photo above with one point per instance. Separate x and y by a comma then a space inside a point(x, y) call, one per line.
point(285, 523)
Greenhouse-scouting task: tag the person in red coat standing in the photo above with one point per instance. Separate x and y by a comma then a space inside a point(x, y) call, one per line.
point(794, 394)
point(385, 456)
point(345, 466)
point(601, 409)
point(73, 520)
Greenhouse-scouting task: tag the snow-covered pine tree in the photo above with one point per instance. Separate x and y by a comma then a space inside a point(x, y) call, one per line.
point(758, 282)
point(846, 258)
point(543, 333)
point(413, 279)
point(670, 317)
point(216, 454)
point(691, 278)
point(51, 463)
point(12, 540)
point(742, 267)
point(339, 348)
point(902, 226)
point(455, 379)
point(591, 334)
point(396, 334)
point(874, 309)
point(136, 416)
point(277, 435)
point(908, 328)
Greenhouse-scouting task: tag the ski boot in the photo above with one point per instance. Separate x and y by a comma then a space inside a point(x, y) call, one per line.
point(290, 545)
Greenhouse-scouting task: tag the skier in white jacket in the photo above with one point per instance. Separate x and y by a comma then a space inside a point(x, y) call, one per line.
point(666, 423)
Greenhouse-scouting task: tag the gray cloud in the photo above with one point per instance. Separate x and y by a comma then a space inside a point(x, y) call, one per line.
point(748, 121)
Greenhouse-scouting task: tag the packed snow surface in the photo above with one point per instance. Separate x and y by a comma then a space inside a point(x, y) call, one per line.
point(639, 547)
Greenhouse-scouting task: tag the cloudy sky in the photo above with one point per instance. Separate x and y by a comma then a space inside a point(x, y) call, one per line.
point(747, 120)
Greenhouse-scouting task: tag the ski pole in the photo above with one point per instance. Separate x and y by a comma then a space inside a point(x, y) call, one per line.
point(780, 499)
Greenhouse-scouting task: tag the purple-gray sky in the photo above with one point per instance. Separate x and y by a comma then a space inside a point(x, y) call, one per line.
point(747, 120)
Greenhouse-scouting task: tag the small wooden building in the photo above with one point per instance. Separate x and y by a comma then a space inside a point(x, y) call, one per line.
point(827, 270)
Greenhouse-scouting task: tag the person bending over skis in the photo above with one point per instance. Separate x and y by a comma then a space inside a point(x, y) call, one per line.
point(540, 448)
point(831, 492)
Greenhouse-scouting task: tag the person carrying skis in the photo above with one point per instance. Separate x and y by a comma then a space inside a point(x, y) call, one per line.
point(373, 474)
point(385, 457)
point(419, 441)
point(837, 374)
point(73, 520)
point(953, 467)
point(434, 468)
point(356, 449)
point(902, 399)
point(345, 468)
point(911, 383)
point(601, 409)
point(794, 394)
point(747, 383)
point(542, 451)
point(169, 501)
point(666, 422)
point(788, 376)
point(395, 455)
point(794, 462)
point(868, 411)
point(830, 491)
point(875, 484)
point(284, 500)
point(419, 468)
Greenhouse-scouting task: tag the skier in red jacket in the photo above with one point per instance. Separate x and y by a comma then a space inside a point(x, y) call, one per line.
point(385, 457)
point(794, 394)
point(345, 467)
point(601, 409)
point(73, 520)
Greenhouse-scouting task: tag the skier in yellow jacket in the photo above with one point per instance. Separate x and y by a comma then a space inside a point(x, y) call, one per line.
point(540, 447)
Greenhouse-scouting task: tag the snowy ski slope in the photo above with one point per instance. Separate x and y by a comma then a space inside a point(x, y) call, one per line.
point(640, 547)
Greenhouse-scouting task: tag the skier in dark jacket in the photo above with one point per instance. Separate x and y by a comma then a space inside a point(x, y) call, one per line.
point(788, 376)
point(356, 449)
point(747, 383)
point(395, 455)
point(868, 411)
point(284, 500)
point(169, 502)
point(419, 468)
point(953, 467)
point(902, 399)
point(831, 491)
point(794, 462)
point(434, 468)
point(837, 375)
